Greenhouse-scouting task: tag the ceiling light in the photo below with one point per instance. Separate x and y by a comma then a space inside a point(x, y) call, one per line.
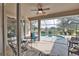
point(40, 12)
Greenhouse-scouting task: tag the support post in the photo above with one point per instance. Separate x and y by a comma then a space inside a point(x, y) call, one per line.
point(18, 29)
point(38, 30)
point(3, 33)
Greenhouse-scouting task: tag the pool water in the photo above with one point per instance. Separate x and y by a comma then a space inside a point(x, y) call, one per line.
point(52, 37)
point(60, 39)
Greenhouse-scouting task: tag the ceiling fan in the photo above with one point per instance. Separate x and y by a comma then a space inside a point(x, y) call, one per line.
point(40, 9)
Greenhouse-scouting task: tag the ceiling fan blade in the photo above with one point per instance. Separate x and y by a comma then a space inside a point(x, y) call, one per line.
point(46, 9)
point(34, 10)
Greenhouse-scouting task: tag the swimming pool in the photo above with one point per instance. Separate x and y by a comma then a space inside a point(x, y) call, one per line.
point(59, 39)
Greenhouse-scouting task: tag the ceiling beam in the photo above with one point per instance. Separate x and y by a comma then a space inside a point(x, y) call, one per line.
point(59, 14)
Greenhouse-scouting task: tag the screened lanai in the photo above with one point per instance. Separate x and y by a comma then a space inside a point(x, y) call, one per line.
point(25, 33)
point(59, 30)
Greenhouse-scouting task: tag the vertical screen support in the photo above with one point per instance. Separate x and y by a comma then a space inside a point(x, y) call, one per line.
point(18, 29)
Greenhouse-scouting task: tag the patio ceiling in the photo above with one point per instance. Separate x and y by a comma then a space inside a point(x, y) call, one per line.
point(54, 8)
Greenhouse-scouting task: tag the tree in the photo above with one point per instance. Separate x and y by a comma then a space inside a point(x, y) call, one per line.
point(68, 23)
